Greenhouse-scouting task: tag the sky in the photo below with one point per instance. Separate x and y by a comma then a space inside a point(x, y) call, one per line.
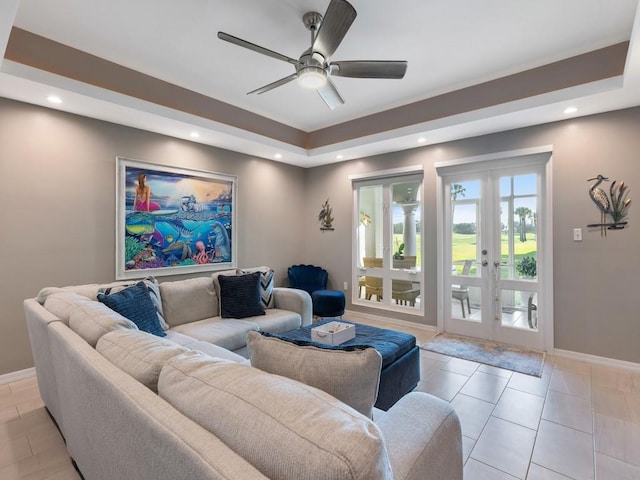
point(522, 185)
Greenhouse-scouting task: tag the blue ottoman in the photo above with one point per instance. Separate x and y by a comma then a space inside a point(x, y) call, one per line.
point(328, 303)
point(400, 357)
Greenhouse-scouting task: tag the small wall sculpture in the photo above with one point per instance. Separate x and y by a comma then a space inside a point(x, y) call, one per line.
point(616, 204)
point(325, 218)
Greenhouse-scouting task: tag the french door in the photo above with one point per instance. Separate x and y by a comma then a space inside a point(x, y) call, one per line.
point(494, 251)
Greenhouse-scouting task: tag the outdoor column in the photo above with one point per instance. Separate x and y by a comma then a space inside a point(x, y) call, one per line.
point(409, 229)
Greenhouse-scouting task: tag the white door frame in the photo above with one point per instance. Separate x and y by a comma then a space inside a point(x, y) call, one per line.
point(546, 286)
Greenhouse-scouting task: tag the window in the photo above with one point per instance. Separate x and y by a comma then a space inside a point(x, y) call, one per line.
point(388, 269)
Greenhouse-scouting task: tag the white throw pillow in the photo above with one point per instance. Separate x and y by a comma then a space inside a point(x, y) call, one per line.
point(352, 376)
point(267, 280)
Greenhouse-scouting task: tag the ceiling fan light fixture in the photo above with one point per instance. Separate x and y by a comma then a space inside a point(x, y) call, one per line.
point(312, 77)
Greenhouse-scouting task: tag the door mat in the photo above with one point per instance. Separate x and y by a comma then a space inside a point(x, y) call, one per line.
point(487, 352)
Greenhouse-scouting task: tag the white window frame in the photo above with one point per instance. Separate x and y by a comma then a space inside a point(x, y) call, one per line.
point(387, 177)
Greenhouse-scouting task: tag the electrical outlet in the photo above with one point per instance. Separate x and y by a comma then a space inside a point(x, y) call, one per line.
point(577, 234)
point(345, 286)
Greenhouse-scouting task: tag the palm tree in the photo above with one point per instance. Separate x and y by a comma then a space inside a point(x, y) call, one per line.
point(523, 213)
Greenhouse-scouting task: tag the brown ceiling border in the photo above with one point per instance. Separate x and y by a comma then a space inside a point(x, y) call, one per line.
point(42, 53)
point(39, 52)
point(589, 67)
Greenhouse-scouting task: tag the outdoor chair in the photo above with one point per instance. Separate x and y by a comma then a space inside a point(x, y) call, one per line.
point(460, 292)
point(373, 286)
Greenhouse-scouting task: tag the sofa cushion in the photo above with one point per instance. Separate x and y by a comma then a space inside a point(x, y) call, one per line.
point(62, 303)
point(91, 320)
point(284, 428)
point(153, 287)
point(276, 320)
point(351, 376)
point(140, 354)
point(267, 280)
point(228, 333)
point(135, 304)
point(88, 291)
point(240, 296)
point(216, 351)
point(179, 338)
point(190, 300)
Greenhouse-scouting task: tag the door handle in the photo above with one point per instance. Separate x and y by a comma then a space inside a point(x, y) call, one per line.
point(484, 263)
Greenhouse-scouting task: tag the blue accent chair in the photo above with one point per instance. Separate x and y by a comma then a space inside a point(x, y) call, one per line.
point(312, 279)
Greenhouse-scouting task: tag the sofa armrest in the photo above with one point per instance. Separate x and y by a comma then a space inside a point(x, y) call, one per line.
point(294, 300)
point(423, 438)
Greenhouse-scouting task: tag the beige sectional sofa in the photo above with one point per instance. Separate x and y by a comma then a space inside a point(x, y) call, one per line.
point(132, 405)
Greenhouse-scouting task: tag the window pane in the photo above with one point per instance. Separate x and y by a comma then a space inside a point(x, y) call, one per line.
point(466, 302)
point(525, 184)
point(370, 234)
point(465, 216)
point(406, 213)
point(525, 237)
point(519, 309)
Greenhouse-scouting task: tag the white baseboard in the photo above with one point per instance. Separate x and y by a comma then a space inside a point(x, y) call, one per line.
point(596, 360)
point(392, 321)
point(16, 376)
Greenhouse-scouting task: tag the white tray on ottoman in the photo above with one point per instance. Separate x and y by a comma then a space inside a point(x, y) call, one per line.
point(333, 333)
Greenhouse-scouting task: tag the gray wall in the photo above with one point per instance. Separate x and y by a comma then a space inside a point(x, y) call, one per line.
point(57, 191)
point(57, 198)
point(596, 296)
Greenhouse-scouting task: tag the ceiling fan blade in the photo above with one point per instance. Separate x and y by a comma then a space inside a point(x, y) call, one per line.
point(256, 48)
point(330, 95)
point(369, 68)
point(275, 84)
point(336, 22)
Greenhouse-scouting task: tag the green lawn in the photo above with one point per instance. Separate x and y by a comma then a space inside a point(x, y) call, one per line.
point(464, 247)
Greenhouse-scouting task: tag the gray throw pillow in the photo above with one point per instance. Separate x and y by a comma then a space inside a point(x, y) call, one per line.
point(351, 376)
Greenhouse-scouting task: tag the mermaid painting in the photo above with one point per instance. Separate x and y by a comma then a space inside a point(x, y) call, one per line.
point(142, 202)
point(172, 220)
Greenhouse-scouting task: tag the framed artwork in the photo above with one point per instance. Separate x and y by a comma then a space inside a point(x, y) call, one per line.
point(173, 220)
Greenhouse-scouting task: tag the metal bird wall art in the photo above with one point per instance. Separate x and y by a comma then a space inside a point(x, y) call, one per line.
point(616, 204)
point(325, 217)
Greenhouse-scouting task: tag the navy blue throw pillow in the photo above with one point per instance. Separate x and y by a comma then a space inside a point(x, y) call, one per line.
point(135, 304)
point(240, 296)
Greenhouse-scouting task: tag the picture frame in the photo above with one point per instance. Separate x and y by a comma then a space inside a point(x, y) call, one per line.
point(172, 220)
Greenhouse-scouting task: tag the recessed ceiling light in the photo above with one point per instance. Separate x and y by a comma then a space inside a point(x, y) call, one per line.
point(54, 99)
point(194, 135)
point(422, 140)
point(570, 110)
point(339, 156)
point(278, 156)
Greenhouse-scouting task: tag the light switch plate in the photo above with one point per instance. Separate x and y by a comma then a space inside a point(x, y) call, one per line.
point(577, 234)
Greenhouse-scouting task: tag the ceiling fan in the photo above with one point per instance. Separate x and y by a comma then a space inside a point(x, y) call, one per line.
point(313, 68)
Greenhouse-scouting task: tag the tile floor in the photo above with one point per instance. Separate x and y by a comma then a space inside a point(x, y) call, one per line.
point(30, 445)
point(579, 421)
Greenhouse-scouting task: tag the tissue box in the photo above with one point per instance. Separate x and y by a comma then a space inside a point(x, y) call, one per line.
point(333, 333)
